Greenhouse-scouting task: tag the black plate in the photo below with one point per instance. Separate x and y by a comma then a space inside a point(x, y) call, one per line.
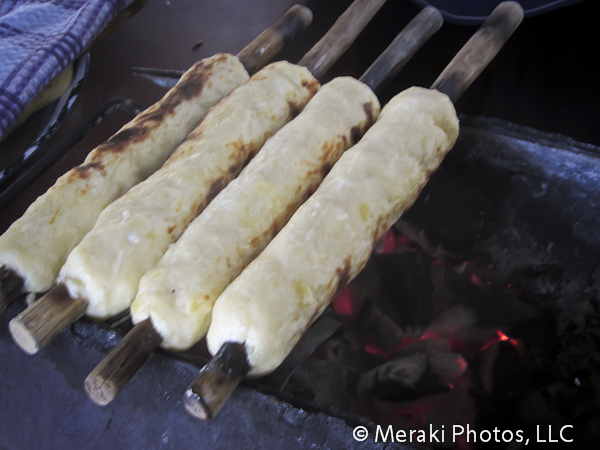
point(27, 140)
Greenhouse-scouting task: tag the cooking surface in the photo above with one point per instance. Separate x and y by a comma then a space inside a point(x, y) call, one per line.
point(543, 78)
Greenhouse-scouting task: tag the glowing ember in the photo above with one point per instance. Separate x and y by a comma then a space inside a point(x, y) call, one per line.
point(402, 241)
point(342, 303)
point(374, 349)
point(388, 241)
point(476, 280)
point(502, 336)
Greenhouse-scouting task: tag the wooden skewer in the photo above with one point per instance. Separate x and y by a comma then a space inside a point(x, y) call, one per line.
point(477, 53)
point(41, 322)
point(271, 41)
point(11, 287)
point(340, 36)
point(217, 380)
point(108, 378)
point(403, 47)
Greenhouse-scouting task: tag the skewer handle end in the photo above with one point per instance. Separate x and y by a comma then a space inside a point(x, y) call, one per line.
point(477, 53)
point(271, 41)
point(402, 49)
point(42, 321)
point(112, 373)
point(340, 36)
point(217, 380)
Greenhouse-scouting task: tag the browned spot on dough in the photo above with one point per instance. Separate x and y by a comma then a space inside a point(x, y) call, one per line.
point(368, 109)
point(357, 131)
point(190, 86)
point(83, 171)
point(240, 156)
point(342, 275)
point(132, 134)
point(382, 225)
point(254, 242)
point(310, 191)
point(327, 147)
point(54, 216)
point(325, 168)
point(171, 229)
point(273, 229)
point(294, 109)
point(355, 134)
point(311, 85)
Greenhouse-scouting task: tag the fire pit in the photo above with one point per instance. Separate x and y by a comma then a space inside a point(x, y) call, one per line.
point(486, 319)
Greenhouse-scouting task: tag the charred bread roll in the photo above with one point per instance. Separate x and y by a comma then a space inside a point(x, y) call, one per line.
point(132, 233)
point(179, 292)
point(37, 244)
point(330, 238)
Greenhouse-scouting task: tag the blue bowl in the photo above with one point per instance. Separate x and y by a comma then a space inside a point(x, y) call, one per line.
point(474, 12)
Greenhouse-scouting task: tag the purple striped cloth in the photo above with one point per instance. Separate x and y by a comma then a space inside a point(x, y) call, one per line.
point(38, 39)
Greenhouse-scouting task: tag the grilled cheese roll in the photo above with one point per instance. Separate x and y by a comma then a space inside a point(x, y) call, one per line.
point(330, 238)
point(132, 233)
point(179, 292)
point(37, 244)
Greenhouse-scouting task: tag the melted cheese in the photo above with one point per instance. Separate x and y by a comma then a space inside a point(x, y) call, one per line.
point(132, 233)
point(179, 292)
point(331, 236)
point(37, 244)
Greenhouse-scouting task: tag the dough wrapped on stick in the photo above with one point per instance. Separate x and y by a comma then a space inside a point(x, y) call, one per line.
point(132, 234)
point(261, 315)
point(178, 293)
point(330, 238)
point(35, 247)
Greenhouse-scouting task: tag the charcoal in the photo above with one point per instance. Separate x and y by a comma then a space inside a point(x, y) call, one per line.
point(494, 308)
point(378, 327)
point(348, 348)
point(401, 378)
point(406, 289)
point(325, 382)
point(420, 369)
point(450, 212)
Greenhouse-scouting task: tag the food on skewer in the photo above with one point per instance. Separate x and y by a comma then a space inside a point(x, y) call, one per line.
point(102, 273)
point(35, 247)
point(133, 232)
point(330, 238)
point(262, 314)
point(178, 293)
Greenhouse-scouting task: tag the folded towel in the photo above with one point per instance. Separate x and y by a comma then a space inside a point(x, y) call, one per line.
point(38, 39)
